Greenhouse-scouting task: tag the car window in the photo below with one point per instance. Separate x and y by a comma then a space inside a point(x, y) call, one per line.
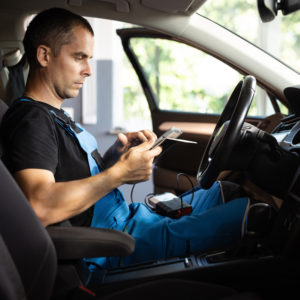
point(184, 78)
point(136, 113)
point(281, 37)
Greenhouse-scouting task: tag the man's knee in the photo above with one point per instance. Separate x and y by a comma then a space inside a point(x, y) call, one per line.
point(231, 190)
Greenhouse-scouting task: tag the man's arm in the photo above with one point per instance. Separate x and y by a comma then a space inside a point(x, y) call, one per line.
point(57, 201)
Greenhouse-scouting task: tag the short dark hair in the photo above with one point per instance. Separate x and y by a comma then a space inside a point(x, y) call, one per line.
point(52, 28)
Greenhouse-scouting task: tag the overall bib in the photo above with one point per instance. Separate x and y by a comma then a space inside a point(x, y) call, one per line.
point(211, 224)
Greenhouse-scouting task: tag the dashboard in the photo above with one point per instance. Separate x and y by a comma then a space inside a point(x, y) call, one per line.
point(287, 135)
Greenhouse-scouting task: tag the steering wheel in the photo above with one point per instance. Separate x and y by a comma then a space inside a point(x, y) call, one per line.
point(226, 133)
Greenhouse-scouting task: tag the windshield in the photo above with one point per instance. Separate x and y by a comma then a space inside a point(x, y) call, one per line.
point(281, 37)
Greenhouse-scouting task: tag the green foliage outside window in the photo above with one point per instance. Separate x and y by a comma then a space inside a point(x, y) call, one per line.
point(233, 14)
point(182, 77)
point(135, 103)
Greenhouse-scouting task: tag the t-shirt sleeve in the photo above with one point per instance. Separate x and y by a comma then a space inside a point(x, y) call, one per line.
point(32, 141)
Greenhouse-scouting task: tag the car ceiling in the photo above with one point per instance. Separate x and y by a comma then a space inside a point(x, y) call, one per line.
point(140, 12)
point(125, 6)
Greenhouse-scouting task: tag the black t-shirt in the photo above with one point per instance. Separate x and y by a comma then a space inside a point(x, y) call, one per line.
point(32, 138)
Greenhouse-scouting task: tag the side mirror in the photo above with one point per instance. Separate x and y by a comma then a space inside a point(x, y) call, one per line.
point(267, 10)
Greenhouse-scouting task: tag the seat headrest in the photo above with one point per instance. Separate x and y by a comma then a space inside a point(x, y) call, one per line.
point(12, 58)
point(13, 73)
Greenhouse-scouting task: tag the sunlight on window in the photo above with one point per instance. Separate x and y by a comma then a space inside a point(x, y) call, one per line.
point(136, 114)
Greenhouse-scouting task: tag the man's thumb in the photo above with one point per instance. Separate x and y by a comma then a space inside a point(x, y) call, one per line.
point(122, 138)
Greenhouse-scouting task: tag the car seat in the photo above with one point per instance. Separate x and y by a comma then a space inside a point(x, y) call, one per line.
point(26, 248)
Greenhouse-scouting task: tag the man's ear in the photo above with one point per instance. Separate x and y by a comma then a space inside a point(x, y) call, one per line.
point(43, 55)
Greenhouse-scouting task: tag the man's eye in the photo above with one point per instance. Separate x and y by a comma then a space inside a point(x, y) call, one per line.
point(78, 57)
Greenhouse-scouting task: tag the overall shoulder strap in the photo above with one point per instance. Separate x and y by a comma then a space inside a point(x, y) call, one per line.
point(86, 141)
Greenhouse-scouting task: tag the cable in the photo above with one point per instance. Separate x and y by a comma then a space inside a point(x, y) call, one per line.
point(189, 179)
point(146, 198)
point(146, 201)
point(131, 193)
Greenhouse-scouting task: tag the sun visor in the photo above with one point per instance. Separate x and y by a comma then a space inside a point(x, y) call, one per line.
point(187, 7)
point(120, 5)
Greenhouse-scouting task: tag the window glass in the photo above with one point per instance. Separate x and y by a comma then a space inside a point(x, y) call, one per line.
point(187, 79)
point(283, 109)
point(281, 37)
point(136, 112)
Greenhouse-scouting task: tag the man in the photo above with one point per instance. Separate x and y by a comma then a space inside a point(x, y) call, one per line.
point(56, 162)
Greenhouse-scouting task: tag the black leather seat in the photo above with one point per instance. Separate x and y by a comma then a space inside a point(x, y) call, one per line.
point(27, 242)
point(3, 109)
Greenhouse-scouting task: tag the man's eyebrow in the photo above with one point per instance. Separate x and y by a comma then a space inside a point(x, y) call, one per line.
point(80, 53)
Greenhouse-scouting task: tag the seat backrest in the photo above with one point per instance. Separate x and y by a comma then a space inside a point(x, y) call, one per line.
point(3, 109)
point(26, 240)
point(11, 287)
point(25, 245)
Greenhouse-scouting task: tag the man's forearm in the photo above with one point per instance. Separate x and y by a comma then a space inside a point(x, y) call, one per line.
point(57, 201)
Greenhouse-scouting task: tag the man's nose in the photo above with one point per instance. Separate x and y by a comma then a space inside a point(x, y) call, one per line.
point(87, 69)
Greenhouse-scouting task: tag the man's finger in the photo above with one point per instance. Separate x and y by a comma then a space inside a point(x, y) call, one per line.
point(156, 150)
point(150, 135)
point(122, 139)
point(140, 136)
point(145, 145)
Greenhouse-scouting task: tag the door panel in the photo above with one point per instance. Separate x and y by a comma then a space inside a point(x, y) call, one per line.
point(186, 88)
point(181, 157)
point(184, 157)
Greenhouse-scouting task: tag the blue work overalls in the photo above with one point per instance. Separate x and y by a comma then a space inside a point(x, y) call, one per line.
point(211, 224)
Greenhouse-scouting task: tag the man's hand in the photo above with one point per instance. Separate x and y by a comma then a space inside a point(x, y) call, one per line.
point(124, 142)
point(135, 164)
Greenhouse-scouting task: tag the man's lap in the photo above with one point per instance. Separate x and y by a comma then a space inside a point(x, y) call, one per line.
point(210, 225)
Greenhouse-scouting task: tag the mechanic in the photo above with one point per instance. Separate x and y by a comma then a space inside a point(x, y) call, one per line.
point(58, 167)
